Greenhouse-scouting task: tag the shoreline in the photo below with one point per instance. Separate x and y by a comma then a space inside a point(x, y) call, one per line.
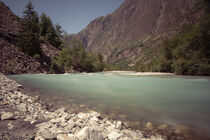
point(47, 122)
point(129, 73)
point(134, 73)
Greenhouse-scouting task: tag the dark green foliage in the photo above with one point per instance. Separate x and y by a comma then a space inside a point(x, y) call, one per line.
point(92, 62)
point(37, 56)
point(10, 67)
point(76, 58)
point(59, 31)
point(28, 37)
point(29, 43)
point(45, 22)
point(64, 60)
point(31, 19)
point(192, 53)
point(51, 33)
point(187, 53)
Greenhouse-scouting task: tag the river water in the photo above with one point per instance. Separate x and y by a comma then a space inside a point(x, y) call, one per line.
point(179, 101)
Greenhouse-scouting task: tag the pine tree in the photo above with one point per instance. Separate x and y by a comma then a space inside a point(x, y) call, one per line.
point(31, 18)
point(50, 32)
point(28, 37)
point(44, 24)
point(59, 30)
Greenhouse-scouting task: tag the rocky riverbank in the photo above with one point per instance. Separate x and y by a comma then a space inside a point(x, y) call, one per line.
point(27, 117)
point(24, 116)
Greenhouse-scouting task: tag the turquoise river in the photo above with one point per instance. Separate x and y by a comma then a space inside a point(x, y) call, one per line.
point(180, 101)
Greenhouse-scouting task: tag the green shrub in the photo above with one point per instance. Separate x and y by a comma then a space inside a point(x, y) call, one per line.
point(36, 56)
point(10, 67)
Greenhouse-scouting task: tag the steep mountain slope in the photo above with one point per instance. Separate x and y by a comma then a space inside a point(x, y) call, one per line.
point(12, 60)
point(8, 24)
point(136, 29)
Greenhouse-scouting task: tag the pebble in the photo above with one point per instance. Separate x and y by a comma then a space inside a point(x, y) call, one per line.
point(149, 125)
point(119, 125)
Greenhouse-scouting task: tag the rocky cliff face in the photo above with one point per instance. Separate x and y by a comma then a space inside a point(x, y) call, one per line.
point(137, 26)
point(9, 24)
point(13, 61)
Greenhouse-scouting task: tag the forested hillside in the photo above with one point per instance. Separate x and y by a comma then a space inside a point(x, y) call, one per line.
point(131, 38)
point(33, 44)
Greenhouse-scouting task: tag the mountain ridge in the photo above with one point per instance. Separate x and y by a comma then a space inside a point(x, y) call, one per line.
point(145, 23)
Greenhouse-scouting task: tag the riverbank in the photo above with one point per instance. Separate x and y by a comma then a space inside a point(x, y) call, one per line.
point(26, 117)
point(133, 73)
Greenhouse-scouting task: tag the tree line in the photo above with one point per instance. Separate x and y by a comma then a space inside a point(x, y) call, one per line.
point(34, 28)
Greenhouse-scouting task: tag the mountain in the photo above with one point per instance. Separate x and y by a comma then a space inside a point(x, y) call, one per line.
point(12, 60)
point(135, 31)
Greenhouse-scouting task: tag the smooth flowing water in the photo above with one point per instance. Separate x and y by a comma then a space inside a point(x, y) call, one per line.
point(175, 100)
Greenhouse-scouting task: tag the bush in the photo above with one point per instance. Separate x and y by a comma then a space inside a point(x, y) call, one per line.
point(36, 56)
point(10, 67)
point(76, 58)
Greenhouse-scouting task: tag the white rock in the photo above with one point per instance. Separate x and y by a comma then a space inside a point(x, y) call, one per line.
point(114, 135)
point(82, 116)
point(88, 134)
point(149, 125)
point(39, 138)
point(127, 138)
point(19, 86)
point(6, 116)
point(30, 119)
point(10, 125)
point(54, 129)
point(71, 135)
point(119, 125)
point(132, 134)
point(24, 97)
point(63, 137)
point(47, 134)
point(108, 123)
point(19, 94)
point(163, 126)
point(30, 100)
point(94, 119)
point(111, 128)
point(93, 113)
point(22, 107)
point(14, 96)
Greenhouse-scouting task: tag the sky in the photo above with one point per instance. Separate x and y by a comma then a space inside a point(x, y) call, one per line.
point(72, 15)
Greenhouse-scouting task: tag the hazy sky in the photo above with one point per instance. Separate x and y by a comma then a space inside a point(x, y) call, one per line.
point(73, 15)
